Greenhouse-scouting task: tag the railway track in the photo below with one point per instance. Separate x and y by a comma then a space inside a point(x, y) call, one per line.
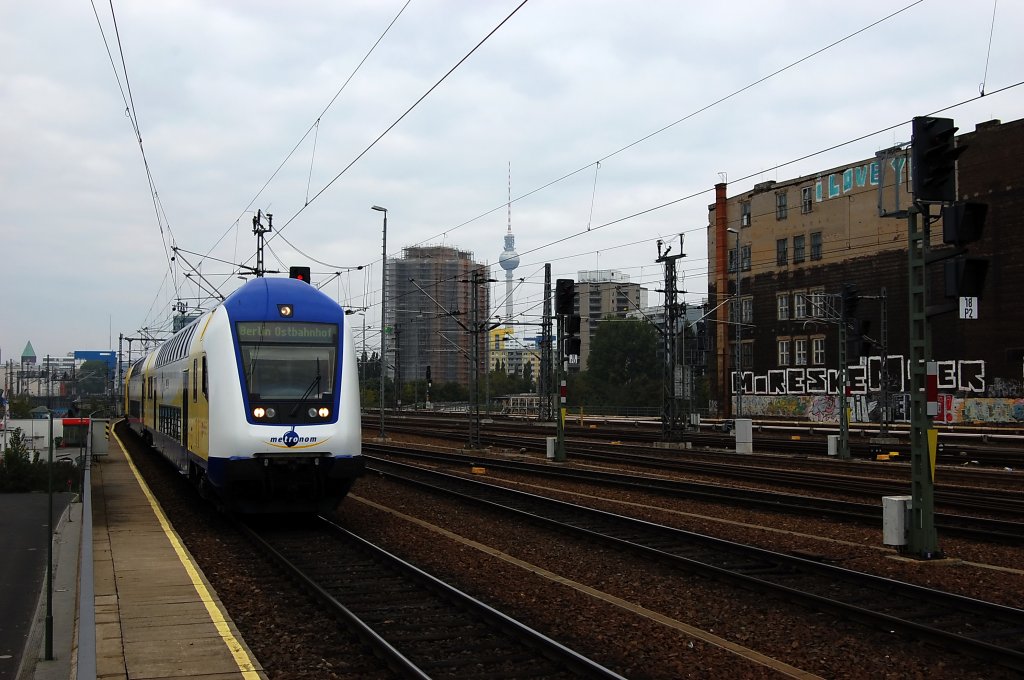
point(421, 626)
point(985, 630)
point(954, 448)
point(1008, 527)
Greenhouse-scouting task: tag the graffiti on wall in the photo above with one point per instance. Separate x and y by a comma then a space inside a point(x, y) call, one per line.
point(812, 393)
point(868, 409)
point(857, 177)
point(955, 375)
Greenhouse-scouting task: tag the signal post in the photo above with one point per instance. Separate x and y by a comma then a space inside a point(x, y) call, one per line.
point(933, 163)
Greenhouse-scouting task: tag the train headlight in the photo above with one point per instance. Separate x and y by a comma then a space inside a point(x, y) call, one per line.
point(324, 412)
point(312, 412)
point(271, 413)
point(259, 412)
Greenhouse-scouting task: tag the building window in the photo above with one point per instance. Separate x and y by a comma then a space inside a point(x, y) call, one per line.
point(800, 352)
point(806, 200)
point(747, 354)
point(818, 351)
point(732, 260)
point(781, 257)
point(781, 211)
point(816, 303)
point(800, 305)
point(744, 213)
point(782, 306)
point(816, 245)
point(747, 310)
point(745, 258)
point(783, 352)
point(798, 248)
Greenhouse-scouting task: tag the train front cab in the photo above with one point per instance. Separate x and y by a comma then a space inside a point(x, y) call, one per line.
point(296, 403)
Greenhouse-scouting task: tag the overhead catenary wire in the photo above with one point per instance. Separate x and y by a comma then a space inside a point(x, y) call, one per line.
point(677, 122)
point(988, 53)
point(129, 101)
point(402, 117)
point(748, 176)
point(517, 199)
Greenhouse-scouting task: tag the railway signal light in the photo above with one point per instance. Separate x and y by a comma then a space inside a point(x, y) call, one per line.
point(933, 157)
point(963, 222)
point(565, 291)
point(300, 273)
point(571, 344)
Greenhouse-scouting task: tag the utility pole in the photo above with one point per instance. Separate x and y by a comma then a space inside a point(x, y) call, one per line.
point(884, 368)
point(545, 383)
point(836, 309)
point(844, 380)
point(922, 538)
point(568, 343)
point(670, 420)
point(258, 229)
point(476, 326)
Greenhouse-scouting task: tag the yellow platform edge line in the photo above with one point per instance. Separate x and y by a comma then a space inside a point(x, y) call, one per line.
point(217, 616)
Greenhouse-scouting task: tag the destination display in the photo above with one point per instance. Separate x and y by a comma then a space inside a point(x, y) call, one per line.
point(287, 331)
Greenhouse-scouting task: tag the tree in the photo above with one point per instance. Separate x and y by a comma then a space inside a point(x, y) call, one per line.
point(20, 407)
point(624, 368)
point(19, 473)
point(93, 377)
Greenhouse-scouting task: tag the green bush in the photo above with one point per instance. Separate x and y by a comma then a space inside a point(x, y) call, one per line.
point(22, 472)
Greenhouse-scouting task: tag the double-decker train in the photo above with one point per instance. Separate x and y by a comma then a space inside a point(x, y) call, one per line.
point(257, 401)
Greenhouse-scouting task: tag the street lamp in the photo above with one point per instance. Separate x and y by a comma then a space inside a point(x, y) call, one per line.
point(383, 308)
point(738, 306)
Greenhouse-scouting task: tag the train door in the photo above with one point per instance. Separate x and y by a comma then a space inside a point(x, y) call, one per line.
point(184, 408)
point(201, 409)
point(152, 396)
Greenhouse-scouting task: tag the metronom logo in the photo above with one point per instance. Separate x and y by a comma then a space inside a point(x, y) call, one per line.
point(291, 438)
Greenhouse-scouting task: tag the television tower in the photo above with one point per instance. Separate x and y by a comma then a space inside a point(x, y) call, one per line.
point(509, 258)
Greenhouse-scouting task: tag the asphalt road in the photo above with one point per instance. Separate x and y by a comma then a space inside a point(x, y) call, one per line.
point(23, 541)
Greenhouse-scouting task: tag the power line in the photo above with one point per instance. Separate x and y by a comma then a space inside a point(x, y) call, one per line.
point(688, 116)
point(315, 125)
point(401, 117)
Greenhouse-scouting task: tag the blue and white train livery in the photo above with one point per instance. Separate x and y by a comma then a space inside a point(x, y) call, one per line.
point(257, 401)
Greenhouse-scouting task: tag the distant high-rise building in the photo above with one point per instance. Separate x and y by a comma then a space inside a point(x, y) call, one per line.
point(430, 298)
point(603, 294)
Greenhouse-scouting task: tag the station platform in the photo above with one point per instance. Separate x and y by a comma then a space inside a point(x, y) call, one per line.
point(143, 607)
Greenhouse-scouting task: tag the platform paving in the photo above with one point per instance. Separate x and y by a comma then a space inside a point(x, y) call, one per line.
point(153, 612)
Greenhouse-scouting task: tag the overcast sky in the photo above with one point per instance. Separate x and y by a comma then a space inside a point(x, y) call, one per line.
point(223, 92)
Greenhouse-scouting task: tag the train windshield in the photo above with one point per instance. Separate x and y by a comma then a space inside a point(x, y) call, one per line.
point(288, 360)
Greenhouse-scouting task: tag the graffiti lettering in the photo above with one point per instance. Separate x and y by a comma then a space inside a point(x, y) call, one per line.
point(856, 177)
point(863, 378)
point(972, 376)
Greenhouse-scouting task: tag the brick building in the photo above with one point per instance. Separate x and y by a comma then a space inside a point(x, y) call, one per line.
point(793, 246)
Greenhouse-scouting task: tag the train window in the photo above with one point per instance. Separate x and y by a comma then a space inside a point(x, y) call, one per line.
point(289, 372)
point(288, 360)
point(195, 377)
point(206, 380)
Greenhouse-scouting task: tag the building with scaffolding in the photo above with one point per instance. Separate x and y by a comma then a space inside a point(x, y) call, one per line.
point(438, 305)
